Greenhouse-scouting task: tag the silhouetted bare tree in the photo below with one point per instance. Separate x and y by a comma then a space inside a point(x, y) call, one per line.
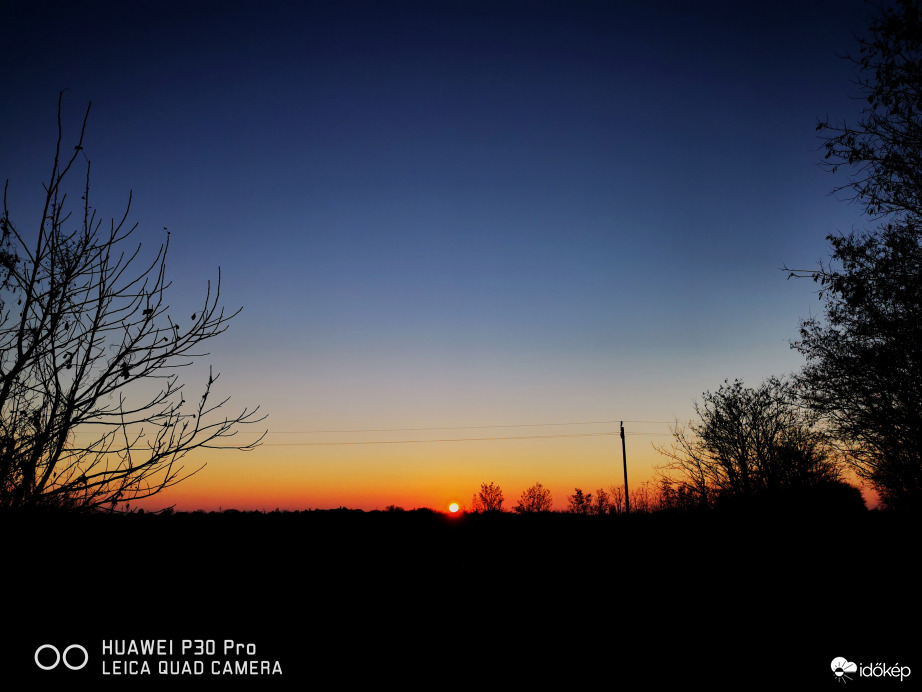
point(601, 505)
point(92, 412)
point(676, 496)
point(644, 498)
point(748, 441)
point(488, 499)
point(616, 504)
point(536, 499)
point(579, 502)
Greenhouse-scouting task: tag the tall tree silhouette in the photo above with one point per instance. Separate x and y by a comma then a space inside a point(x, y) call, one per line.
point(864, 358)
point(882, 151)
point(92, 411)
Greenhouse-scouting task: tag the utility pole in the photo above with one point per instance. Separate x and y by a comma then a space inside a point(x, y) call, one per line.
point(627, 495)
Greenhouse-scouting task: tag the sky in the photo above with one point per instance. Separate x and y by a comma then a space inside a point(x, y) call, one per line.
point(452, 220)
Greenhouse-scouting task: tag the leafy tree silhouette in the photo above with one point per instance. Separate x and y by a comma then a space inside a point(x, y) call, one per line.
point(863, 372)
point(883, 149)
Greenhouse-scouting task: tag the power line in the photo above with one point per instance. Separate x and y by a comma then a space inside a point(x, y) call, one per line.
point(456, 427)
point(462, 427)
point(457, 439)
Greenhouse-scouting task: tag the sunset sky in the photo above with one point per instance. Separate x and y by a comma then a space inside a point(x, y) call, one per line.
point(449, 220)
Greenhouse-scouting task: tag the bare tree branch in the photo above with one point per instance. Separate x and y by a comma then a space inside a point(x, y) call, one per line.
point(92, 411)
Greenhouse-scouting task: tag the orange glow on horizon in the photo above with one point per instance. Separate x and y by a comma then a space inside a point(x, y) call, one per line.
point(413, 476)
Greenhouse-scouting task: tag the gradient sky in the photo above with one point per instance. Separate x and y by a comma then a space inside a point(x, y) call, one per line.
point(447, 214)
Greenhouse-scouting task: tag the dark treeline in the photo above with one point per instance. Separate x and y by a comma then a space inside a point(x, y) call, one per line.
point(506, 595)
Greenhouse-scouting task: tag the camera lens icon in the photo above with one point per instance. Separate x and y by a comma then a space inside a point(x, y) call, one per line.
point(61, 657)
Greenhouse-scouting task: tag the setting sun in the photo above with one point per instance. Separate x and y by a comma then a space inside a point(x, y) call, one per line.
point(453, 507)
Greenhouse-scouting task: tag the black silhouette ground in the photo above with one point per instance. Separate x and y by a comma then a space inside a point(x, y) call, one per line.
point(427, 601)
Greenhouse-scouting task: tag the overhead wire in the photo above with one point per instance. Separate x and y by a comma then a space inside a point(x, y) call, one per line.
point(465, 427)
point(461, 439)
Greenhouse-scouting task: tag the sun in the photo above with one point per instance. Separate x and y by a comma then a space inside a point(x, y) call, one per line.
point(453, 507)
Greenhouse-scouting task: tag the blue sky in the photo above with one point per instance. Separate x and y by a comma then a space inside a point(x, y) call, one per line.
point(456, 213)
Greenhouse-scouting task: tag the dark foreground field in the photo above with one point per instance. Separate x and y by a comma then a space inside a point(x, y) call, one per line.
point(345, 599)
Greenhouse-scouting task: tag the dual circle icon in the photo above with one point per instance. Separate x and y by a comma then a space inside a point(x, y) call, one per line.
point(61, 657)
